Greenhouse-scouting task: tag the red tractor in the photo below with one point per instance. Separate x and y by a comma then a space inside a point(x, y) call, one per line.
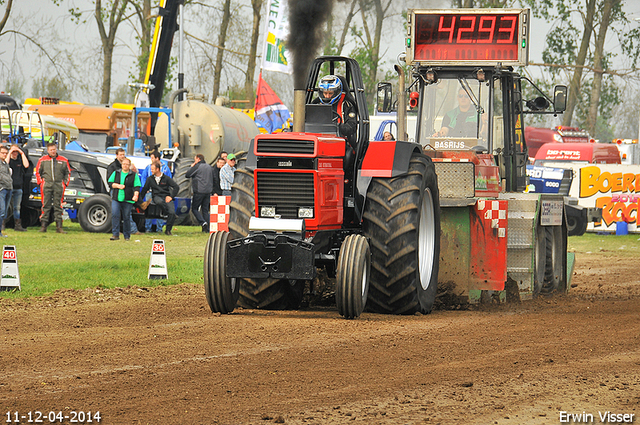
point(367, 213)
point(394, 220)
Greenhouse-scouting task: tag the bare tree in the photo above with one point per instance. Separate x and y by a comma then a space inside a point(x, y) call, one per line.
point(333, 45)
point(376, 11)
point(597, 64)
point(143, 12)
point(7, 12)
point(256, 6)
point(574, 88)
point(113, 18)
point(222, 40)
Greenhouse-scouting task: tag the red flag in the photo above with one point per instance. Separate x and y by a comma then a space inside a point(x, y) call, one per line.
point(271, 114)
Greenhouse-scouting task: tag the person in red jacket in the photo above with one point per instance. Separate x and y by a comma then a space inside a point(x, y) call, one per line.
point(52, 173)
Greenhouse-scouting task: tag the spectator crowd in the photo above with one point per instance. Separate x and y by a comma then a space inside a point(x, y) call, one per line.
point(127, 185)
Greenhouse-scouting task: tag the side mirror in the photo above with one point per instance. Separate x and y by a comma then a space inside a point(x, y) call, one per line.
point(384, 97)
point(538, 104)
point(560, 98)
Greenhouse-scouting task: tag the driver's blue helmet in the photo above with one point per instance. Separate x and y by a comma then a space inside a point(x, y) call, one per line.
point(329, 89)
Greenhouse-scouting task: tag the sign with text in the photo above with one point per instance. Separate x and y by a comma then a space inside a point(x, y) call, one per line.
point(613, 187)
point(158, 261)
point(10, 278)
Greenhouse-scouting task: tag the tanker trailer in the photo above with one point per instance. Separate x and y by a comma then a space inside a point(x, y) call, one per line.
point(202, 128)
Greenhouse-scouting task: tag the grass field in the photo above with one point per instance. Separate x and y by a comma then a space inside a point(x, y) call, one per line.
point(626, 245)
point(79, 260)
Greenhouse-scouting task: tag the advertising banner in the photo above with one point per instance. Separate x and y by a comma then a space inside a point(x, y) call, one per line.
point(612, 187)
point(275, 56)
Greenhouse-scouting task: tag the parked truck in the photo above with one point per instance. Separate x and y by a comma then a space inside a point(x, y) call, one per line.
point(394, 220)
point(536, 137)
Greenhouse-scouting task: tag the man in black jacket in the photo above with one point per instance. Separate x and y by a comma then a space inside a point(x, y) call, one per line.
point(163, 190)
point(201, 175)
point(216, 176)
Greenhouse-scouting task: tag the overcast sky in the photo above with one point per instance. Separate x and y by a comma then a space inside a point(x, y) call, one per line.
point(83, 39)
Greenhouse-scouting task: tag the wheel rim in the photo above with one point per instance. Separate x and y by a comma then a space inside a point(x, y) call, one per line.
point(426, 239)
point(97, 215)
point(365, 277)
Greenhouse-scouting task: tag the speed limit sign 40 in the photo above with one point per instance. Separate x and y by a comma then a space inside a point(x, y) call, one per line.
point(10, 278)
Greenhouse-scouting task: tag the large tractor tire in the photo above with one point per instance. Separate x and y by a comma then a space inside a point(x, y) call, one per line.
point(402, 223)
point(221, 291)
point(182, 166)
point(352, 283)
point(30, 217)
point(268, 294)
point(94, 214)
point(550, 257)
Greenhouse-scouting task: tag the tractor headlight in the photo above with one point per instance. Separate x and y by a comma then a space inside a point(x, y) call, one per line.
point(305, 212)
point(267, 211)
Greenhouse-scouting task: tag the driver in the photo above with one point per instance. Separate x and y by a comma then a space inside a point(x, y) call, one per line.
point(461, 121)
point(330, 92)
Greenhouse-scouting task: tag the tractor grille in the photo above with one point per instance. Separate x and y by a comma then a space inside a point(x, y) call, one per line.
point(285, 191)
point(287, 146)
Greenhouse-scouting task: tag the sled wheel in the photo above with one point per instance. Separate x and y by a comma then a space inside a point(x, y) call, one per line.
point(553, 272)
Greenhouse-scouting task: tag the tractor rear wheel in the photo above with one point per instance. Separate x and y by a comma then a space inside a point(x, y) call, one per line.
point(221, 291)
point(268, 294)
point(402, 223)
point(182, 166)
point(352, 284)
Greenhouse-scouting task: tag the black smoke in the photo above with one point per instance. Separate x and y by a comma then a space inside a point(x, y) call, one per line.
point(306, 34)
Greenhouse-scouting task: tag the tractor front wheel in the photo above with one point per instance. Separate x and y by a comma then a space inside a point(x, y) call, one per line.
point(268, 294)
point(221, 291)
point(352, 285)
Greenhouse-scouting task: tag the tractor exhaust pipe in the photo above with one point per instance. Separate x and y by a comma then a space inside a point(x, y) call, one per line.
point(298, 110)
point(402, 105)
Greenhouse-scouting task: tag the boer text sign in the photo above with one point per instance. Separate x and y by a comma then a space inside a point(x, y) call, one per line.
point(612, 187)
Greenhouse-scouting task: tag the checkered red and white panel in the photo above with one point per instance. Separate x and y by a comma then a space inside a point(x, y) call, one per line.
point(494, 212)
point(219, 213)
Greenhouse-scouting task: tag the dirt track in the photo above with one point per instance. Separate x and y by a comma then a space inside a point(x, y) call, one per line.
point(160, 357)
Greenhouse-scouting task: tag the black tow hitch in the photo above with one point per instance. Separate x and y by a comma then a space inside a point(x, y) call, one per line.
point(269, 254)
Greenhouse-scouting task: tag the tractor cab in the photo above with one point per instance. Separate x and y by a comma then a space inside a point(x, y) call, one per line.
point(475, 114)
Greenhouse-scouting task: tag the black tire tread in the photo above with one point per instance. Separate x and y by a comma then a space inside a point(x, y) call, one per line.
point(87, 204)
point(182, 166)
point(217, 287)
point(268, 294)
point(349, 298)
point(391, 218)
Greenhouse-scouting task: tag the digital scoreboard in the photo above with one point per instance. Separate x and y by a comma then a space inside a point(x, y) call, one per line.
point(468, 36)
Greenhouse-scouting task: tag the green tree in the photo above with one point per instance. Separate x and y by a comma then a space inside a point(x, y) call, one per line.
point(577, 44)
point(15, 88)
point(50, 87)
